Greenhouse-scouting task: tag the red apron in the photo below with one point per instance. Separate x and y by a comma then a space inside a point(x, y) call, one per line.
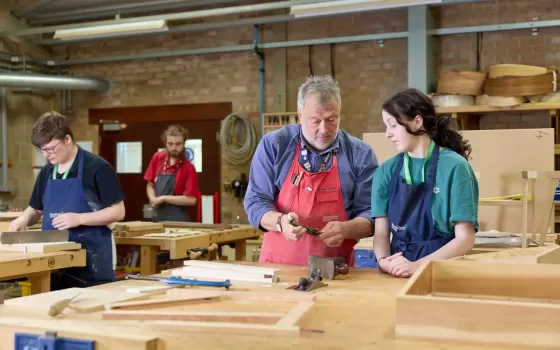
point(317, 200)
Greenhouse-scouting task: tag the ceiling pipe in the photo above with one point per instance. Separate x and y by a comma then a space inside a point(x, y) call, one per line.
point(122, 9)
point(177, 29)
point(204, 26)
point(167, 17)
point(58, 82)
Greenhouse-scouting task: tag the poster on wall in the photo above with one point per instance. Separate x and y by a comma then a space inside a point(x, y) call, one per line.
point(193, 152)
point(129, 157)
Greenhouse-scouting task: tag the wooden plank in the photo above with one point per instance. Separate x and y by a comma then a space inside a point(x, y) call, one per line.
point(215, 274)
point(179, 224)
point(89, 300)
point(149, 315)
point(265, 271)
point(40, 247)
point(247, 296)
point(296, 314)
point(162, 302)
point(16, 264)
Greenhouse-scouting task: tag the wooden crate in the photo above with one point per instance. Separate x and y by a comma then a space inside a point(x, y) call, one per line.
point(482, 302)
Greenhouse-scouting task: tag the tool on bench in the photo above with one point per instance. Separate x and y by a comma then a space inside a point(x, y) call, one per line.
point(311, 231)
point(313, 281)
point(330, 267)
point(195, 253)
point(46, 236)
point(182, 281)
point(56, 308)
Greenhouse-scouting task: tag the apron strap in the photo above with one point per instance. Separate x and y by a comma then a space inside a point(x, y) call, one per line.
point(406, 164)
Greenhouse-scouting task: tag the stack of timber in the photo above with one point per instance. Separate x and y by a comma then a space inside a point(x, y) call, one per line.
point(221, 271)
point(502, 85)
point(136, 228)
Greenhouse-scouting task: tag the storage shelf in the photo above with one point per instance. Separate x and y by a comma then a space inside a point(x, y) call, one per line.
point(486, 109)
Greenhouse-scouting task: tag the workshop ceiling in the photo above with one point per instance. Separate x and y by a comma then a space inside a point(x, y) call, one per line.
point(45, 17)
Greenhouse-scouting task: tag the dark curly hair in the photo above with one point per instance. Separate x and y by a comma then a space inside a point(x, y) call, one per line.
point(406, 105)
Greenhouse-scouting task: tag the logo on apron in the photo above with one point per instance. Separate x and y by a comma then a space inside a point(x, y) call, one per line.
point(397, 228)
point(54, 215)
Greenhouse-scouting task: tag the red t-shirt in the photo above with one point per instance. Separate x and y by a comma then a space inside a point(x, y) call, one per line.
point(186, 181)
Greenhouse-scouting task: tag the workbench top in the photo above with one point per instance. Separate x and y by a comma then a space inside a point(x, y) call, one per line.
point(356, 311)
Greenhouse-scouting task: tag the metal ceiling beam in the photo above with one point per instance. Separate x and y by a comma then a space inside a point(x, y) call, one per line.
point(127, 9)
point(285, 44)
point(275, 45)
point(24, 11)
point(169, 17)
point(178, 29)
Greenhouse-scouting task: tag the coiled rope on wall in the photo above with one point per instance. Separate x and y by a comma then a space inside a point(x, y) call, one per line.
point(230, 131)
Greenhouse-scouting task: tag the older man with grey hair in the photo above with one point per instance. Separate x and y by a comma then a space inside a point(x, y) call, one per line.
point(310, 183)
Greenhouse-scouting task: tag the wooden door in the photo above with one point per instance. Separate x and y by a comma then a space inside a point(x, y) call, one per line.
point(147, 133)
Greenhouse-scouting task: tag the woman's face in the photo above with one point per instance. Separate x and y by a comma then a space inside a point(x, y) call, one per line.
point(404, 142)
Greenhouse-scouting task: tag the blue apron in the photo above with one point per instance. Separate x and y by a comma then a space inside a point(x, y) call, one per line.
point(410, 211)
point(67, 196)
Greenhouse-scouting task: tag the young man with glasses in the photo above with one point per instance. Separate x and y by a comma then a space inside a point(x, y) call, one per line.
point(79, 192)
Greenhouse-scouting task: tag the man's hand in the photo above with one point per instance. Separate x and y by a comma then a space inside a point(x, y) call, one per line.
point(67, 221)
point(291, 233)
point(157, 202)
point(399, 266)
point(18, 224)
point(333, 234)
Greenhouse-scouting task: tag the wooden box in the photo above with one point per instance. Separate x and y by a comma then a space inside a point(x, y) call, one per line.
point(482, 302)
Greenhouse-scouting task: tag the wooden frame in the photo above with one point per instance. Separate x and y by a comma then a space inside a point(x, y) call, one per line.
point(529, 190)
point(482, 302)
point(536, 255)
point(237, 322)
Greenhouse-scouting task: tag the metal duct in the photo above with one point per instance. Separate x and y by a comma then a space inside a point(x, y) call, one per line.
point(58, 82)
point(4, 125)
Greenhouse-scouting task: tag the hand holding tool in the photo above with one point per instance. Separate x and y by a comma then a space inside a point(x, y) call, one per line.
point(182, 281)
point(56, 308)
point(311, 231)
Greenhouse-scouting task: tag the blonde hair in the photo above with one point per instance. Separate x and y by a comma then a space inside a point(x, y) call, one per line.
point(175, 130)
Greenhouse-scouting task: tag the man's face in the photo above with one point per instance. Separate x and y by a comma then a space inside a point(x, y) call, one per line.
point(175, 146)
point(319, 123)
point(57, 151)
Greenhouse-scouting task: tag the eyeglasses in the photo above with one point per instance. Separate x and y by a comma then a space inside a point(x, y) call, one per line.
point(49, 150)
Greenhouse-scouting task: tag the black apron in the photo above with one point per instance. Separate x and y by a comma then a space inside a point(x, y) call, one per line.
point(165, 183)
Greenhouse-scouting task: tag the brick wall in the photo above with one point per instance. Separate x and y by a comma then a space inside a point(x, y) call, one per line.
point(367, 71)
point(22, 111)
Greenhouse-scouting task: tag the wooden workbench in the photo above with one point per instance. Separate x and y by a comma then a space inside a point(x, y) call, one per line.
point(356, 311)
point(38, 266)
point(177, 247)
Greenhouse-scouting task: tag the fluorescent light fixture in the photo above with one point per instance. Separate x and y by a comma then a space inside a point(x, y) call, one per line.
point(108, 30)
point(349, 6)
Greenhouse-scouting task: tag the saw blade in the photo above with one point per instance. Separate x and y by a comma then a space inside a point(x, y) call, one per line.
point(24, 237)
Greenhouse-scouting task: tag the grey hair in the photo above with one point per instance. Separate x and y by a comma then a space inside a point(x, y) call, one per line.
point(324, 85)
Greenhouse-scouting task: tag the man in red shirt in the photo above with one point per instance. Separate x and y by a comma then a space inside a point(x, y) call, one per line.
point(172, 181)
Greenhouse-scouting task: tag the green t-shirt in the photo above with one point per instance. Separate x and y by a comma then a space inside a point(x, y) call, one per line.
point(455, 196)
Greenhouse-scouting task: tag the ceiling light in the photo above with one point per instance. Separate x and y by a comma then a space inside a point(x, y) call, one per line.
point(349, 6)
point(107, 30)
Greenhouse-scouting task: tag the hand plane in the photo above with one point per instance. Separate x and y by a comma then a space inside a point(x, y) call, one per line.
point(313, 281)
point(329, 267)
